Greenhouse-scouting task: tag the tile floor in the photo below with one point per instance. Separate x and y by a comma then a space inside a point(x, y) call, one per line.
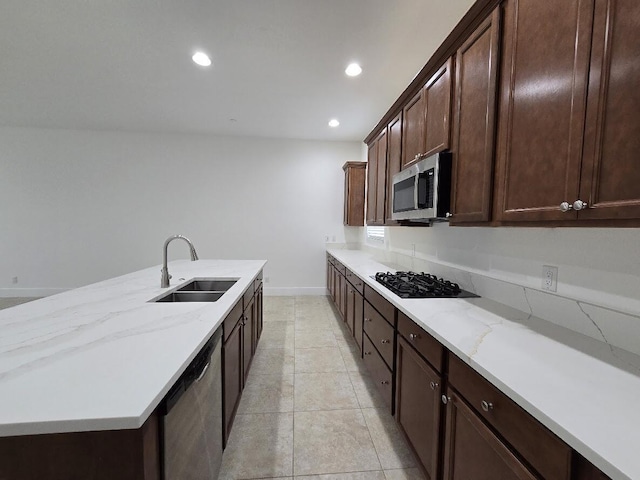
point(309, 409)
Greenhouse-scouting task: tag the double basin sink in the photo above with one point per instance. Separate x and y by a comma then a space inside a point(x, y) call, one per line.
point(203, 290)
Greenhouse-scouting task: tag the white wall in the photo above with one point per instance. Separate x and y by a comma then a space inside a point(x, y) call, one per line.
point(80, 206)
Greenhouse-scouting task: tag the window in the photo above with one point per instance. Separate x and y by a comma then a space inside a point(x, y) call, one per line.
point(375, 234)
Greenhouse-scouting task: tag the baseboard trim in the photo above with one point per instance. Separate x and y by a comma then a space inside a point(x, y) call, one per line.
point(294, 291)
point(30, 292)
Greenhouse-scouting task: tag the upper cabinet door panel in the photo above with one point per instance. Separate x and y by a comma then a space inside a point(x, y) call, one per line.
point(413, 129)
point(611, 165)
point(542, 107)
point(381, 184)
point(372, 177)
point(474, 123)
point(437, 104)
point(394, 162)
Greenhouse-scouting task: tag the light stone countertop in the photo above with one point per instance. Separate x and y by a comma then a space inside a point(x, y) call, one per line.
point(581, 389)
point(102, 357)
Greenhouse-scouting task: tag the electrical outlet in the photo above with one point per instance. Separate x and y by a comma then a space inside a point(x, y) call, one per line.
point(326, 239)
point(550, 278)
point(14, 280)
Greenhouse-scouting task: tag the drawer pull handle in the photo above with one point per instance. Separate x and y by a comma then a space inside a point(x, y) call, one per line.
point(367, 319)
point(433, 385)
point(367, 353)
point(486, 406)
point(385, 382)
point(445, 399)
point(386, 341)
point(412, 336)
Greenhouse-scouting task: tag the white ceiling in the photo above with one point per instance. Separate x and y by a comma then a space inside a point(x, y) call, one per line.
point(278, 64)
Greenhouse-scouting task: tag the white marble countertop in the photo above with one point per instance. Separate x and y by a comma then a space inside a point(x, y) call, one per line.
point(101, 357)
point(583, 390)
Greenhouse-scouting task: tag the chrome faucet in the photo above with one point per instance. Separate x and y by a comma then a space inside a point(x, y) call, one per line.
point(164, 280)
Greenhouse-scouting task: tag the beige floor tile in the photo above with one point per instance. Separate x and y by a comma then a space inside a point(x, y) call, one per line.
point(272, 361)
point(260, 446)
point(366, 391)
point(313, 325)
point(323, 391)
point(315, 338)
point(277, 335)
point(313, 360)
point(267, 394)
point(404, 474)
point(352, 358)
point(345, 476)
point(332, 442)
point(391, 447)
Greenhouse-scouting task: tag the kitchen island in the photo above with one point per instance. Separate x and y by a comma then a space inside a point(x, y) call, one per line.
point(582, 390)
point(102, 357)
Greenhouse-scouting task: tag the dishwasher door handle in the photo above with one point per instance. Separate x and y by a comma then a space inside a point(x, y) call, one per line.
point(204, 370)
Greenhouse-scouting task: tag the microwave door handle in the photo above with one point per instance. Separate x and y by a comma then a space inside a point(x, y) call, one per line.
point(415, 191)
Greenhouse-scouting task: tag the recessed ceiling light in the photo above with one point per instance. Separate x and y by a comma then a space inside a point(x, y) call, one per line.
point(353, 70)
point(201, 59)
point(333, 123)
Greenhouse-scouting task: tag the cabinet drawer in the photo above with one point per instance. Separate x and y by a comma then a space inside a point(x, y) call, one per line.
point(425, 344)
point(380, 333)
point(356, 281)
point(380, 373)
point(258, 281)
point(341, 268)
point(231, 320)
point(381, 304)
point(545, 452)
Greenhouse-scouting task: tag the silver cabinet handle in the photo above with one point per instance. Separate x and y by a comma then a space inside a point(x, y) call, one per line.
point(486, 406)
point(565, 207)
point(367, 319)
point(412, 336)
point(445, 399)
point(385, 341)
point(433, 385)
point(204, 370)
point(579, 205)
point(367, 353)
point(448, 215)
point(384, 382)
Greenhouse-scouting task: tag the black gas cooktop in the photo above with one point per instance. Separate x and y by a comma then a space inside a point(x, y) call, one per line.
point(420, 285)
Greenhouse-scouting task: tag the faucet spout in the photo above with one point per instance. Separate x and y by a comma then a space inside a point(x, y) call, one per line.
point(164, 280)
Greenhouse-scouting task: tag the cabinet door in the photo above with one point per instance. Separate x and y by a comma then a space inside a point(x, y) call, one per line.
point(418, 389)
point(543, 89)
point(611, 171)
point(472, 450)
point(247, 334)
point(381, 180)
point(372, 178)
point(437, 105)
point(474, 123)
point(357, 319)
point(394, 162)
point(413, 129)
point(259, 320)
point(350, 307)
point(232, 369)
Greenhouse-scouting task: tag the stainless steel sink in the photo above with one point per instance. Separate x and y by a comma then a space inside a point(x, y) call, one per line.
point(208, 286)
point(198, 290)
point(191, 297)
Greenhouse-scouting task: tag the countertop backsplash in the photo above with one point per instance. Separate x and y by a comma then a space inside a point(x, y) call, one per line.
point(511, 278)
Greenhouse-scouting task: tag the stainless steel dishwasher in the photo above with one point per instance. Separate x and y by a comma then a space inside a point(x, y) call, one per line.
point(192, 418)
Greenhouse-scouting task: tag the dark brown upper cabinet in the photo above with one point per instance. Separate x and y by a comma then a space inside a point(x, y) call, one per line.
point(610, 176)
point(394, 162)
point(474, 123)
point(545, 66)
point(426, 117)
point(354, 180)
point(376, 180)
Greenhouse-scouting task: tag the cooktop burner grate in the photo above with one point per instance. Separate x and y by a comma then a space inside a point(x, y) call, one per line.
point(420, 285)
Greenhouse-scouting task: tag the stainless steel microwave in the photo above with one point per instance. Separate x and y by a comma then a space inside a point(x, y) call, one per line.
point(422, 191)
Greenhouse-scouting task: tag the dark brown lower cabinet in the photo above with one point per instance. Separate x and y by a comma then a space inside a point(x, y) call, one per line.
point(248, 326)
point(259, 313)
point(350, 307)
point(381, 374)
point(232, 372)
point(357, 318)
point(473, 451)
point(418, 390)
